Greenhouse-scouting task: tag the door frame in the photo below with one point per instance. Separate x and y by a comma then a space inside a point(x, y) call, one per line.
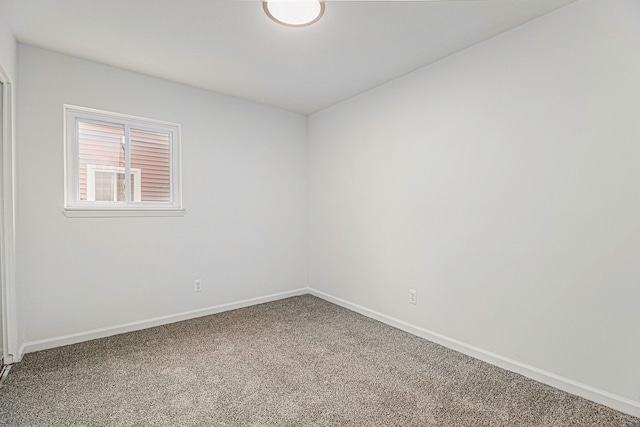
point(10, 350)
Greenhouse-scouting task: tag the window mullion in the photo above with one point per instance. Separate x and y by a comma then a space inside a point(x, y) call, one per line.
point(127, 165)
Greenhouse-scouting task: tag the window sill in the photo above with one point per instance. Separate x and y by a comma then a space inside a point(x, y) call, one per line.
point(119, 213)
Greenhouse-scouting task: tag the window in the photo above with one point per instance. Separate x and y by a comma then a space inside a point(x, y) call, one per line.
point(119, 165)
point(106, 183)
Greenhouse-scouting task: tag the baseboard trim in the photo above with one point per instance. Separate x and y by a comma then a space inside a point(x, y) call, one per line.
point(32, 346)
point(603, 397)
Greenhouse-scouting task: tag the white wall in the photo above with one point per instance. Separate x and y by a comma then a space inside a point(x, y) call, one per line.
point(8, 46)
point(244, 188)
point(503, 184)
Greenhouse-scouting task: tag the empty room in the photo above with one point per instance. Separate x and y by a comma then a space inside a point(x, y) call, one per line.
point(303, 213)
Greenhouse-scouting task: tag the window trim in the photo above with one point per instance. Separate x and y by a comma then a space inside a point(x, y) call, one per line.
point(74, 207)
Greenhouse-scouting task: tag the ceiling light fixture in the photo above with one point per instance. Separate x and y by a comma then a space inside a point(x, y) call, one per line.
point(294, 13)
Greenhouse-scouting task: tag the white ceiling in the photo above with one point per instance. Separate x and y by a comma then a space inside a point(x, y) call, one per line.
point(232, 47)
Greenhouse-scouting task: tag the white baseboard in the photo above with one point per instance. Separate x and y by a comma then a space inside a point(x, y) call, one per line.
point(603, 397)
point(30, 347)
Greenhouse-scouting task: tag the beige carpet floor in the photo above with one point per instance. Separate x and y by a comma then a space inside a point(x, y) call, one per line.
point(295, 362)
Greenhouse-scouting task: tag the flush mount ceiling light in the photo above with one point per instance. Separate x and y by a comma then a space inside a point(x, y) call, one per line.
point(294, 13)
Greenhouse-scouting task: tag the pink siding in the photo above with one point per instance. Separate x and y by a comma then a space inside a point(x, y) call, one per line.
point(150, 152)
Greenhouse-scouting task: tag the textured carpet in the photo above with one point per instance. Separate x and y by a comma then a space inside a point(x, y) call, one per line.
point(295, 362)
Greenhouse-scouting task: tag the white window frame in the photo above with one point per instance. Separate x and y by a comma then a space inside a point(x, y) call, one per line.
point(74, 207)
point(91, 181)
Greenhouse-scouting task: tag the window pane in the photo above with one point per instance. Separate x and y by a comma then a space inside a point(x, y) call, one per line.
point(104, 186)
point(101, 145)
point(150, 152)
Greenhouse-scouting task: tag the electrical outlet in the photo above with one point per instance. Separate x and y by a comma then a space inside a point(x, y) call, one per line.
point(413, 296)
point(197, 285)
